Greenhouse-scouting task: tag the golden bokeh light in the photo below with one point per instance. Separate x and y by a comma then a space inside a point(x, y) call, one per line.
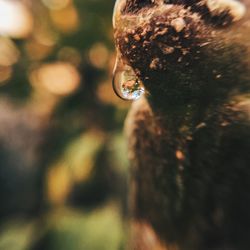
point(37, 51)
point(15, 19)
point(99, 55)
point(42, 42)
point(56, 4)
point(65, 20)
point(58, 78)
point(69, 54)
point(5, 74)
point(9, 54)
point(45, 36)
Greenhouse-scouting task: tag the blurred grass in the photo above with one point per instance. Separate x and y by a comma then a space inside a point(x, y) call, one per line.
point(100, 230)
point(67, 228)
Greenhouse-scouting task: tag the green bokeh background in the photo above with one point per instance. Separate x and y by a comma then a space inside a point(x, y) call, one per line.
point(63, 163)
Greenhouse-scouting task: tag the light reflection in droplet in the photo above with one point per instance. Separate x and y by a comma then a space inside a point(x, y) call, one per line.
point(125, 82)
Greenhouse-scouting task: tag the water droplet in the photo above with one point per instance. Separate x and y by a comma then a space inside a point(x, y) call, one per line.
point(125, 82)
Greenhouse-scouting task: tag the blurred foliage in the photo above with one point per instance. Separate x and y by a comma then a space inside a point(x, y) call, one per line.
point(63, 166)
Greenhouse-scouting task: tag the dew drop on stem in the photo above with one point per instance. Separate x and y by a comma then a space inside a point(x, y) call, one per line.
point(125, 82)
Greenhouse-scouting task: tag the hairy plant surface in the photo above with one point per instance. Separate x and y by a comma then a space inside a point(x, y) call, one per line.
point(189, 137)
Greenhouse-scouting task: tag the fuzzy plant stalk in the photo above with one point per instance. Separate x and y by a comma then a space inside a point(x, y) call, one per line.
point(189, 135)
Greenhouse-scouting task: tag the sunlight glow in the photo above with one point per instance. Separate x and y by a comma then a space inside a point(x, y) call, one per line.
point(58, 78)
point(15, 19)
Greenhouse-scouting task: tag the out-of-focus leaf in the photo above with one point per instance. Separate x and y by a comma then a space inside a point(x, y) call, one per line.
point(16, 235)
point(75, 165)
point(101, 229)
